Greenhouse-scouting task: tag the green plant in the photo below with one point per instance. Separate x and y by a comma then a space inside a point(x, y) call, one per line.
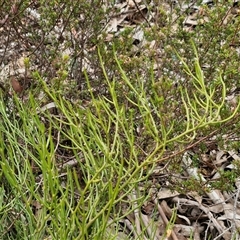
point(78, 154)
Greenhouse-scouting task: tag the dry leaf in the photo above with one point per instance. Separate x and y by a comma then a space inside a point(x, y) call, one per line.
point(16, 86)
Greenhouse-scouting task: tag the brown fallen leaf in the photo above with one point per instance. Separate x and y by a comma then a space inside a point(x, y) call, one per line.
point(16, 86)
